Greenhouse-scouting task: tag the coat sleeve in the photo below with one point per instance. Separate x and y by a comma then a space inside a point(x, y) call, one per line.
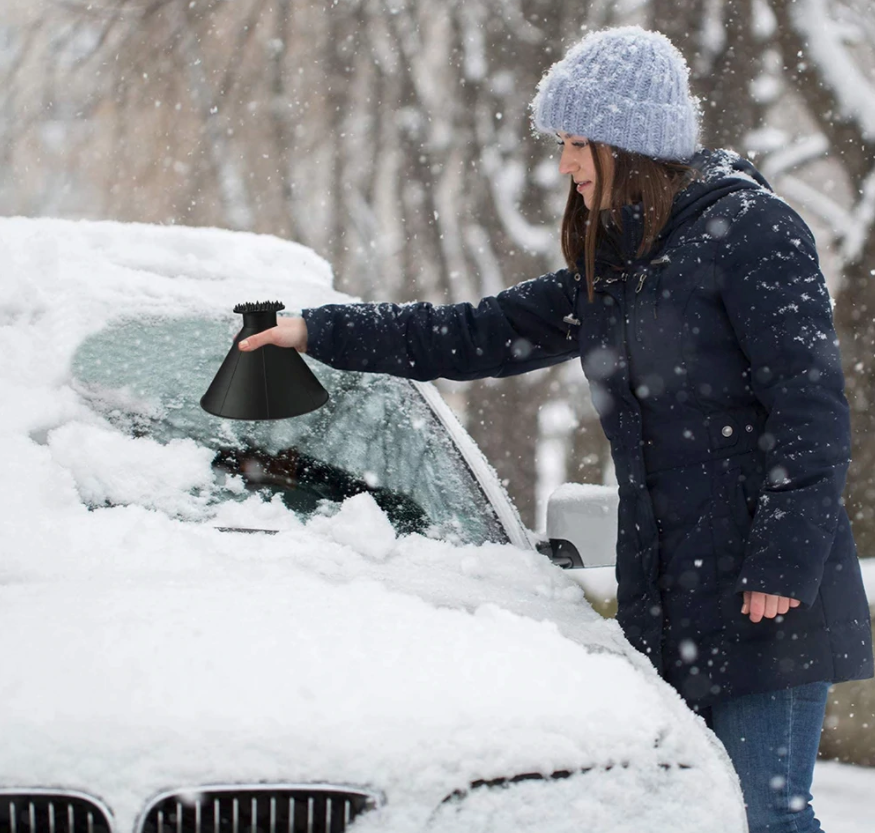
point(518, 330)
point(778, 304)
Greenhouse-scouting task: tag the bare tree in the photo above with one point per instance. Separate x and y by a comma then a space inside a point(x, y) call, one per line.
point(828, 61)
point(723, 46)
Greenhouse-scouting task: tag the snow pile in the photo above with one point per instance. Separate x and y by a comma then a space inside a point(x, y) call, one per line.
point(359, 513)
point(143, 652)
point(110, 469)
point(844, 796)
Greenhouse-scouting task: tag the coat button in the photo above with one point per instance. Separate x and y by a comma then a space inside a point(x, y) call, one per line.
point(748, 428)
point(727, 431)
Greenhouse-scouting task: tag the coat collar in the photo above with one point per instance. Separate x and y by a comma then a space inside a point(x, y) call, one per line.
point(720, 172)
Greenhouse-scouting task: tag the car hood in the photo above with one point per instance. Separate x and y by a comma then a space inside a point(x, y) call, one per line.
point(159, 654)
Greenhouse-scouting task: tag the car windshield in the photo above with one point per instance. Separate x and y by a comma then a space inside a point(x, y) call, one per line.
point(376, 434)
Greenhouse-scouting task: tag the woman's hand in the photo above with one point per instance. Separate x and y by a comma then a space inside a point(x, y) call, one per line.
point(760, 605)
point(289, 332)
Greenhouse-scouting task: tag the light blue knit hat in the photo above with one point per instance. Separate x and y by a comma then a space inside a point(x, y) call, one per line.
point(626, 87)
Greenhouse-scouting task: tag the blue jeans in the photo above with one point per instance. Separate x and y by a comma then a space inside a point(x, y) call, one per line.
point(772, 739)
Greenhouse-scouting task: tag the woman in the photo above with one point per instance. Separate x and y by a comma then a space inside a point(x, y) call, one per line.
point(695, 303)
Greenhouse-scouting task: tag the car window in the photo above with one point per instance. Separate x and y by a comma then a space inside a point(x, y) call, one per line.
point(376, 434)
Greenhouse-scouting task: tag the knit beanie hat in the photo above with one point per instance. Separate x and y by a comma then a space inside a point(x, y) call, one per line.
point(626, 87)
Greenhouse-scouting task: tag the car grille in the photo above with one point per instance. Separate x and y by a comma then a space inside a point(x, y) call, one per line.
point(51, 812)
point(292, 809)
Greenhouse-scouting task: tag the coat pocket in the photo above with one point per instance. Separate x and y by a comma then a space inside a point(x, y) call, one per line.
point(688, 583)
point(733, 516)
point(739, 480)
point(687, 561)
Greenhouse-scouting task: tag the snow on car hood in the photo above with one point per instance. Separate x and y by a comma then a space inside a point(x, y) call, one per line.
point(142, 652)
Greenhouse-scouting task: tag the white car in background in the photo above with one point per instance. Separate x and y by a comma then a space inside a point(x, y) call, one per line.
point(330, 623)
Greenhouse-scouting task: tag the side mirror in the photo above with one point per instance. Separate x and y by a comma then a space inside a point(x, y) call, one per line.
point(582, 525)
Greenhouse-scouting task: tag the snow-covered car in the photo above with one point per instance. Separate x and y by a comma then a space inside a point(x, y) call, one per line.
point(330, 623)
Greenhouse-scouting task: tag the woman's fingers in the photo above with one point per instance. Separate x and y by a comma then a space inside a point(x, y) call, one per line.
point(765, 606)
point(757, 606)
point(289, 332)
point(258, 340)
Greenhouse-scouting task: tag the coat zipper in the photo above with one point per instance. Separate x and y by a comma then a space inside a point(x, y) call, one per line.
point(571, 320)
point(645, 271)
point(659, 261)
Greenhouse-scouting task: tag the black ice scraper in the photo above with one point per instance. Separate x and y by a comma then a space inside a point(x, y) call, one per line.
point(270, 383)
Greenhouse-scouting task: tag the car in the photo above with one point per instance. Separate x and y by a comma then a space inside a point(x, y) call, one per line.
point(327, 623)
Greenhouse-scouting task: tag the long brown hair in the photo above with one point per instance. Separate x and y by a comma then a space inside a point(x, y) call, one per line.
point(636, 179)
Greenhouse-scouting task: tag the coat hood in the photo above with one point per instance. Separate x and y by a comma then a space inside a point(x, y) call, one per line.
point(720, 172)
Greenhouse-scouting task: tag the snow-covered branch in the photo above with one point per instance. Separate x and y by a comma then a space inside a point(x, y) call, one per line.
point(507, 179)
point(515, 18)
point(480, 245)
point(851, 227)
point(788, 158)
point(834, 215)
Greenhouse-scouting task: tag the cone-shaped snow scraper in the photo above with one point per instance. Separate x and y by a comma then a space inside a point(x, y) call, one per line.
point(270, 383)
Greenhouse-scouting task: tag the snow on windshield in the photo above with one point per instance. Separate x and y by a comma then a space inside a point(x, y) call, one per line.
point(141, 651)
point(374, 434)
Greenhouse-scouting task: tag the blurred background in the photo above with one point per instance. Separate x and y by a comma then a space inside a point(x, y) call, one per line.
point(393, 138)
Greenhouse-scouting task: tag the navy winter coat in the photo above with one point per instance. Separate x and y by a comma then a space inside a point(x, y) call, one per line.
point(715, 370)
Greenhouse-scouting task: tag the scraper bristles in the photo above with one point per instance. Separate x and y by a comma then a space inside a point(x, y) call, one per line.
point(260, 306)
